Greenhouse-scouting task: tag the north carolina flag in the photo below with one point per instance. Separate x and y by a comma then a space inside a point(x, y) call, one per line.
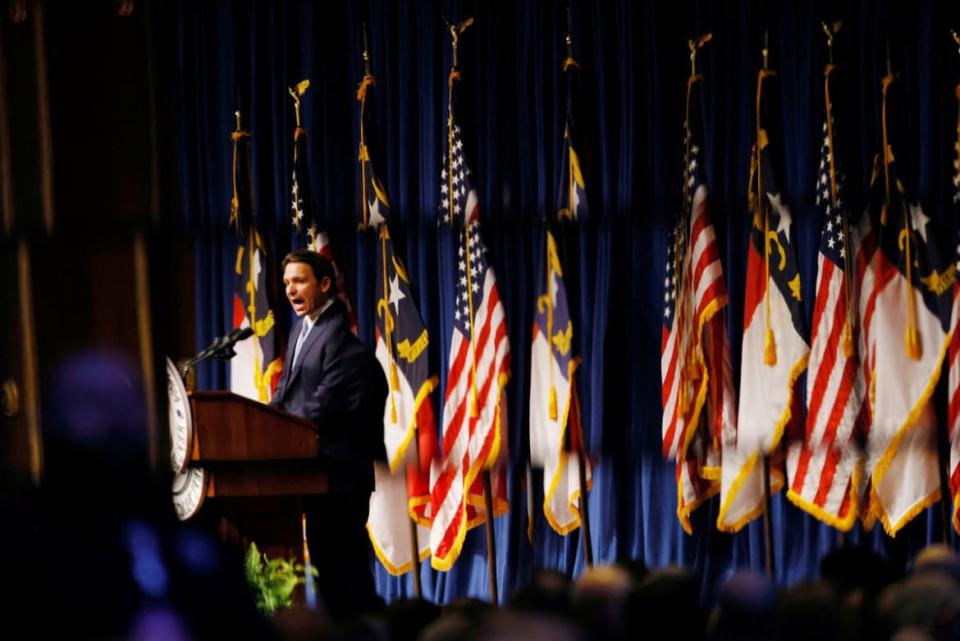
point(553, 416)
point(256, 368)
point(402, 490)
point(775, 349)
point(906, 319)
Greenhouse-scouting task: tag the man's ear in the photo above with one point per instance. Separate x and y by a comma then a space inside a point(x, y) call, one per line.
point(325, 283)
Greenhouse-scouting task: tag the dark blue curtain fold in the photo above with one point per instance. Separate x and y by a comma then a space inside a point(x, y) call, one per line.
point(511, 103)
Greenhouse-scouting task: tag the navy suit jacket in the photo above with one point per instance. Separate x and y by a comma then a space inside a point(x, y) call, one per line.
point(338, 384)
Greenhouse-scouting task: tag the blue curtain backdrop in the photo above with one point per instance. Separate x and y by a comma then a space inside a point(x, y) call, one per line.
point(634, 64)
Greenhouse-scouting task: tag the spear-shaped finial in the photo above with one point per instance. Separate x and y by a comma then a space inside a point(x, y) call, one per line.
point(296, 92)
point(695, 45)
point(889, 65)
point(956, 38)
point(766, 48)
point(831, 30)
point(569, 62)
point(366, 52)
point(237, 116)
point(455, 31)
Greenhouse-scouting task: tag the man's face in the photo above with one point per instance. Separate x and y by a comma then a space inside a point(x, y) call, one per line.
point(305, 294)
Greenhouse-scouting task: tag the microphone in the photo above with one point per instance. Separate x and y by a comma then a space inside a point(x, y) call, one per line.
point(221, 348)
point(238, 335)
point(225, 348)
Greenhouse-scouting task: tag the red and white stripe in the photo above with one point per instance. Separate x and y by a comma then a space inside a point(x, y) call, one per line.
point(470, 444)
point(953, 375)
point(822, 468)
point(953, 406)
point(704, 293)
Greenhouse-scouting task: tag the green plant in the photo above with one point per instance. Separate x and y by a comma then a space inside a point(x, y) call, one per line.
point(273, 580)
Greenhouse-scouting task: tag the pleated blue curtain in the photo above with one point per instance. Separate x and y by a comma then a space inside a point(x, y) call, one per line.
point(633, 69)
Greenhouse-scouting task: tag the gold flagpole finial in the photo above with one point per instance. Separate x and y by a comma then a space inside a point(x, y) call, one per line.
point(366, 52)
point(455, 31)
point(766, 48)
point(695, 45)
point(296, 92)
point(831, 30)
point(889, 65)
point(956, 38)
point(569, 62)
point(237, 116)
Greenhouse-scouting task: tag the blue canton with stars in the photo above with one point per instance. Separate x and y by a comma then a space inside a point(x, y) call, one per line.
point(956, 193)
point(469, 281)
point(693, 177)
point(670, 278)
point(834, 218)
point(456, 180)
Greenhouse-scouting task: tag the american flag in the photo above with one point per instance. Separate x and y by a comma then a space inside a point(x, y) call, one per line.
point(479, 366)
point(694, 363)
point(953, 379)
point(821, 466)
point(304, 218)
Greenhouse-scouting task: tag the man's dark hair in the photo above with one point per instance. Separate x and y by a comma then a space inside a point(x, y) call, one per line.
point(321, 266)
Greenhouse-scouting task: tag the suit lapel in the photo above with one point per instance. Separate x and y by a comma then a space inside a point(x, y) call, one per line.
point(323, 325)
point(288, 361)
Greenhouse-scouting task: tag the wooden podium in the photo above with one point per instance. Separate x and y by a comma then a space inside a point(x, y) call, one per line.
point(261, 463)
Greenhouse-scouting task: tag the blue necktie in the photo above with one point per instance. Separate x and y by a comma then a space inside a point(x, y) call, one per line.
point(303, 335)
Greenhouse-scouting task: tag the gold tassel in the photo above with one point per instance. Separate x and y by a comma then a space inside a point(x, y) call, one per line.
point(474, 404)
point(394, 379)
point(769, 348)
point(368, 81)
point(913, 342)
point(847, 339)
point(552, 407)
point(912, 335)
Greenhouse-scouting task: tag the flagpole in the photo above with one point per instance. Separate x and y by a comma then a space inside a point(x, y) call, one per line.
point(943, 462)
point(531, 512)
point(364, 155)
point(569, 65)
point(584, 498)
point(770, 346)
point(414, 543)
point(491, 544)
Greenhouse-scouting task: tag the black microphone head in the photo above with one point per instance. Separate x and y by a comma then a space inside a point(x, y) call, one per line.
point(244, 333)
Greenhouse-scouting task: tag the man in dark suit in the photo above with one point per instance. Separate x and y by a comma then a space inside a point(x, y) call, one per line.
point(335, 381)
